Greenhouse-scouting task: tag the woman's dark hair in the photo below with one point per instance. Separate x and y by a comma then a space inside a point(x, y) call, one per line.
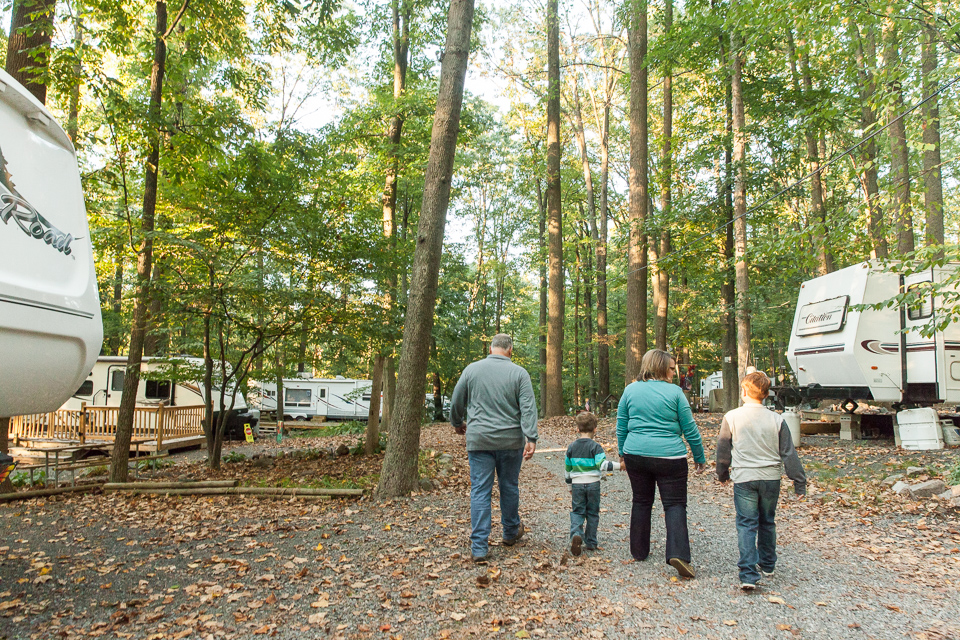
point(655, 365)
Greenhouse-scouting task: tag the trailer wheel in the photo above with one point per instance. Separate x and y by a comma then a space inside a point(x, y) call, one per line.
point(849, 405)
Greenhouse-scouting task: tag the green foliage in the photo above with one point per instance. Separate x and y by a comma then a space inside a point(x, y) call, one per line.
point(154, 464)
point(235, 456)
point(350, 427)
point(360, 448)
point(22, 478)
point(953, 476)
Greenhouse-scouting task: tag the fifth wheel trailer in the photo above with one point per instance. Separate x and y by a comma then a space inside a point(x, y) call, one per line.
point(877, 355)
point(50, 323)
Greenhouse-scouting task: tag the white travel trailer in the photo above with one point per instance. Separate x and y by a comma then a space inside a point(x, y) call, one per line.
point(711, 382)
point(50, 324)
point(876, 355)
point(330, 398)
point(104, 387)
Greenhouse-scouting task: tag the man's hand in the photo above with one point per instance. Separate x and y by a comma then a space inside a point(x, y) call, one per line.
point(699, 467)
point(462, 429)
point(529, 449)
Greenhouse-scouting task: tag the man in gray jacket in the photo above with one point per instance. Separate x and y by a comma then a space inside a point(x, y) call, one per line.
point(493, 404)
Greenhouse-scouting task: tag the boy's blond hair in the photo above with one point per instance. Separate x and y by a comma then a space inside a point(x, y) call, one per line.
point(756, 385)
point(586, 422)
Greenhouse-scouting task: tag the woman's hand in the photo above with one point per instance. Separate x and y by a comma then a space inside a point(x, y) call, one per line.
point(699, 467)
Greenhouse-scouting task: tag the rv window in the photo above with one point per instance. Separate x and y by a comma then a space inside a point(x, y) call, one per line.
point(85, 389)
point(116, 380)
point(323, 393)
point(365, 397)
point(297, 397)
point(157, 390)
point(925, 307)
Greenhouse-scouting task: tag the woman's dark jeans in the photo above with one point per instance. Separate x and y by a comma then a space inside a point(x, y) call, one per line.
point(670, 476)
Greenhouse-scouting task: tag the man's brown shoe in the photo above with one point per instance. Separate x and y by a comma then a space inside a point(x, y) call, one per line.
point(515, 539)
point(682, 567)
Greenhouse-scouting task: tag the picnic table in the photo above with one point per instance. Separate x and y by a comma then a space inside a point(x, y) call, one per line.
point(67, 452)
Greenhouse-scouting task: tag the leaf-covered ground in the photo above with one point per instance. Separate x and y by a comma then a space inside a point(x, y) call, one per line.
point(857, 560)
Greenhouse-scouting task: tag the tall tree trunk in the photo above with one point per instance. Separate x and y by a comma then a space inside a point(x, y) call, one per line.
point(554, 373)
point(401, 48)
point(28, 47)
point(740, 204)
point(662, 275)
point(399, 473)
point(577, 387)
point(866, 61)
point(600, 240)
point(932, 178)
point(373, 414)
point(819, 227)
point(588, 331)
point(542, 334)
point(731, 391)
point(899, 153)
point(636, 322)
point(138, 325)
point(152, 341)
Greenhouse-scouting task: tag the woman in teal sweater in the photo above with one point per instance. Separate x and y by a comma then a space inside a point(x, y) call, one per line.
point(653, 420)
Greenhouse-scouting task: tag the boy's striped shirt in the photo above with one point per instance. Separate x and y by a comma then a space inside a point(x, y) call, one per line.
point(583, 461)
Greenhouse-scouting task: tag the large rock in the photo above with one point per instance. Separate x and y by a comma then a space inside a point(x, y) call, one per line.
point(891, 480)
point(915, 471)
point(343, 450)
point(901, 488)
point(927, 489)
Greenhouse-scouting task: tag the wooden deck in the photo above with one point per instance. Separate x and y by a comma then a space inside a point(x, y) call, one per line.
point(155, 429)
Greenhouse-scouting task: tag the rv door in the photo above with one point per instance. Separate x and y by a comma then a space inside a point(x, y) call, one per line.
point(924, 354)
point(115, 375)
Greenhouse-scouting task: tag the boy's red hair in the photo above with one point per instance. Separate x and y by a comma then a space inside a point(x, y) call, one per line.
point(756, 385)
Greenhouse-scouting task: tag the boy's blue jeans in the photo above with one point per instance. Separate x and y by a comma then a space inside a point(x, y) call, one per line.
point(483, 465)
point(756, 504)
point(585, 510)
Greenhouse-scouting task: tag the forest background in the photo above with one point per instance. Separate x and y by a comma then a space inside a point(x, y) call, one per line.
point(627, 175)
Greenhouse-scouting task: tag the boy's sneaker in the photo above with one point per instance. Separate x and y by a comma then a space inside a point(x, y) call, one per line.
point(576, 544)
point(765, 574)
point(593, 548)
point(682, 567)
point(747, 586)
point(509, 542)
point(479, 559)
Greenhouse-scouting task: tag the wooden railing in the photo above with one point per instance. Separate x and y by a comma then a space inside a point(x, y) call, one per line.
point(100, 423)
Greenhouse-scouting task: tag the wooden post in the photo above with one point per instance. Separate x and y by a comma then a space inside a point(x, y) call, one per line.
point(83, 423)
point(160, 412)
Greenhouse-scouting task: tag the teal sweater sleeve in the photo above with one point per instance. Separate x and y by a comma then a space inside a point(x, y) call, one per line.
point(653, 419)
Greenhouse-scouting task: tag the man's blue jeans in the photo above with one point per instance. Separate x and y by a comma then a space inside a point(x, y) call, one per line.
point(756, 504)
point(585, 509)
point(483, 465)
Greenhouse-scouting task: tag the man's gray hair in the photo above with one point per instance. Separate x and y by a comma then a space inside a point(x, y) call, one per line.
point(502, 341)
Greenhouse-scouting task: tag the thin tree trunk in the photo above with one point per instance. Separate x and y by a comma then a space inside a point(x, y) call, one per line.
point(28, 47)
point(636, 311)
point(138, 329)
point(152, 341)
point(399, 473)
point(600, 240)
point(899, 153)
point(542, 252)
point(666, 195)
point(932, 178)
point(866, 60)
point(731, 391)
point(117, 301)
point(588, 330)
point(577, 387)
point(73, 118)
point(389, 394)
point(555, 303)
point(819, 227)
point(740, 205)
point(373, 415)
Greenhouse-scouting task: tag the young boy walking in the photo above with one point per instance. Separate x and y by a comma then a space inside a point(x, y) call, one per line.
point(754, 448)
point(585, 460)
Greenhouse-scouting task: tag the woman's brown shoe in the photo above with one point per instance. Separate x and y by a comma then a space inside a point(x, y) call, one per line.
point(683, 568)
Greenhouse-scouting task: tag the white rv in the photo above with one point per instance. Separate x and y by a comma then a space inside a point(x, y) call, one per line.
point(711, 382)
point(330, 398)
point(104, 387)
point(839, 353)
point(50, 324)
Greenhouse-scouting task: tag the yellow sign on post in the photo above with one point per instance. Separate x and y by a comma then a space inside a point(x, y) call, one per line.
point(248, 431)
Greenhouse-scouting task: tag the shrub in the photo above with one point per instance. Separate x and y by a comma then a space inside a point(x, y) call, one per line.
point(954, 474)
point(234, 456)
